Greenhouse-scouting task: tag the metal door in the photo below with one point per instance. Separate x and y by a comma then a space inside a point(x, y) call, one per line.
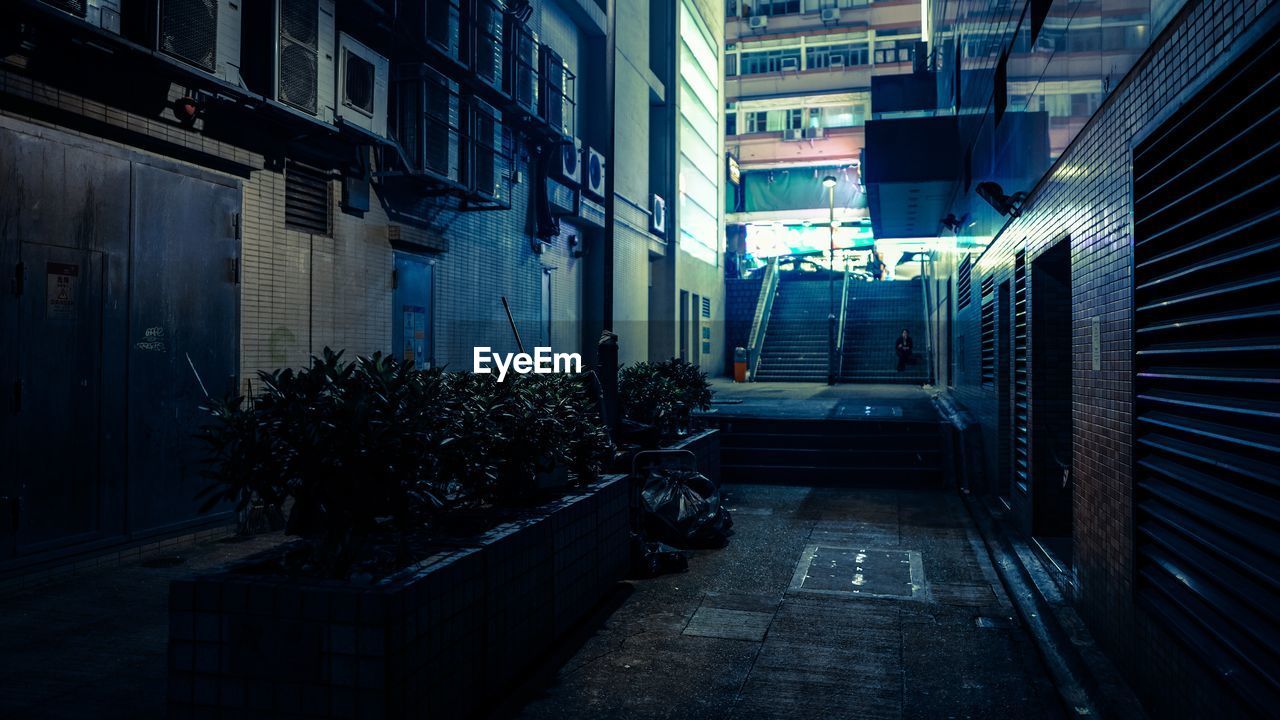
point(59, 396)
point(183, 334)
point(411, 310)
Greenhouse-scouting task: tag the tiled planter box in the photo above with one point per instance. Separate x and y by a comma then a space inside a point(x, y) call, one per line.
point(434, 641)
point(705, 445)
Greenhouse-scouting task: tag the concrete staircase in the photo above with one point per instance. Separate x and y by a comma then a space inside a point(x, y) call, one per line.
point(876, 315)
point(795, 341)
point(842, 452)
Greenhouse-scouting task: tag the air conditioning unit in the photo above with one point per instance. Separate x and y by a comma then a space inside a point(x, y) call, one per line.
point(758, 22)
point(814, 133)
point(789, 64)
point(568, 166)
point(487, 20)
point(593, 171)
point(835, 61)
point(428, 122)
point(362, 85)
point(555, 108)
point(205, 34)
point(486, 167)
point(658, 216)
point(830, 15)
point(103, 14)
point(521, 74)
point(289, 53)
point(793, 134)
point(441, 24)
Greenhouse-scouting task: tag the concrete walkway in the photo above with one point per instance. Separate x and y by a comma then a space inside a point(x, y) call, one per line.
point(744, 635)
point(94, 645)
point(797, 401)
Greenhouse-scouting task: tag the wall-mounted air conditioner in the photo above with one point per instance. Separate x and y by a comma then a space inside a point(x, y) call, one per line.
point(363, 76)
point(567, 168)
point(835, 61)
point(487, 161)
point(520, 78)
point(289, 53)
point(658, 216)
point(593, 173)
point(814, 133)
point(205, 34)
point(758, 22)
point(441, 24)
point(427, 122)
point(103, 14)
point(486, 42)
point(793, 134)
point(556, 97)
point(830, 15)
point(789, 63)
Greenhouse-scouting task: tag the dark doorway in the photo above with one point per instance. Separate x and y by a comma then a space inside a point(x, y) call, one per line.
point(1051, 481)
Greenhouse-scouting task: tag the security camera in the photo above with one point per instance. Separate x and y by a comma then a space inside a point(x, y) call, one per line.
point(1004, 204)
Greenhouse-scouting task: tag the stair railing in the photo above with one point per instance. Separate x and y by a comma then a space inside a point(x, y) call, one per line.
point(760, 321)
point(928, 316)
point(837, 360)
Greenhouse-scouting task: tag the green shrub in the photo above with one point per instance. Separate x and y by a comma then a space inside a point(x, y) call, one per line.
point(375, 447)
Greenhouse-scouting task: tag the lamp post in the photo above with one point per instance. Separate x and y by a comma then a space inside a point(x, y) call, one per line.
point(829, 182)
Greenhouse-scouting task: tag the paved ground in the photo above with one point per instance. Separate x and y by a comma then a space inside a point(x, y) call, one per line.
point(733, 637)
point(94, 646)
point(728, 639)
point(789, 400)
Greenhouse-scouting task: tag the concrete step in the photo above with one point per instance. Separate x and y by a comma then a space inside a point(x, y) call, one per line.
point(871, 477)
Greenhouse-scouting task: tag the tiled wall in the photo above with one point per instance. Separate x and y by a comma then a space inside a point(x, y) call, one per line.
point(1086, 196)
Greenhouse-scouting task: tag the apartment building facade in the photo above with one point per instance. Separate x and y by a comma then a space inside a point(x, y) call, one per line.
point(798, 93)
point(193, 198)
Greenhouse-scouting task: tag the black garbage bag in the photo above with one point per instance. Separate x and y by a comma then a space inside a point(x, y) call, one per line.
point(651, 559)
point(682, 507)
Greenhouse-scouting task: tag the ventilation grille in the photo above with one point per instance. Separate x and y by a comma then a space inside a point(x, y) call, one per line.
point(1021, 384)
point(706, 307)
point(299, 53)
point(964, 283)
point(306, 200)
point(988, 330)
point(189, 31)
point(1207, 376)
point(75, 7)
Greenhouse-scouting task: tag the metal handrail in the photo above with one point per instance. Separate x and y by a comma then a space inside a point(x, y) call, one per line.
point(928, 316)
point(760, 322)
point(838, 361)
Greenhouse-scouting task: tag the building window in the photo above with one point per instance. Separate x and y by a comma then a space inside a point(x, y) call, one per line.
point(730, 65)
point(731, 123)
point(776, 7)
point(838, 116)
point(306, 199)
point(770, 61)
point(894, 51)
point(828, 56)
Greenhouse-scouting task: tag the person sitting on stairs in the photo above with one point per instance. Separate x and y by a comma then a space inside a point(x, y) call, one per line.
point(903, 349)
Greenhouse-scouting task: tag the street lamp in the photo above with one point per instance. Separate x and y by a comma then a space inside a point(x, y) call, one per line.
point(829, 182)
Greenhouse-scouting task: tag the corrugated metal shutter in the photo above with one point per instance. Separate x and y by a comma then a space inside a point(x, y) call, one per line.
point(1207, 375)
point(964, 283)
point(1021, 396)
point(988, 332)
